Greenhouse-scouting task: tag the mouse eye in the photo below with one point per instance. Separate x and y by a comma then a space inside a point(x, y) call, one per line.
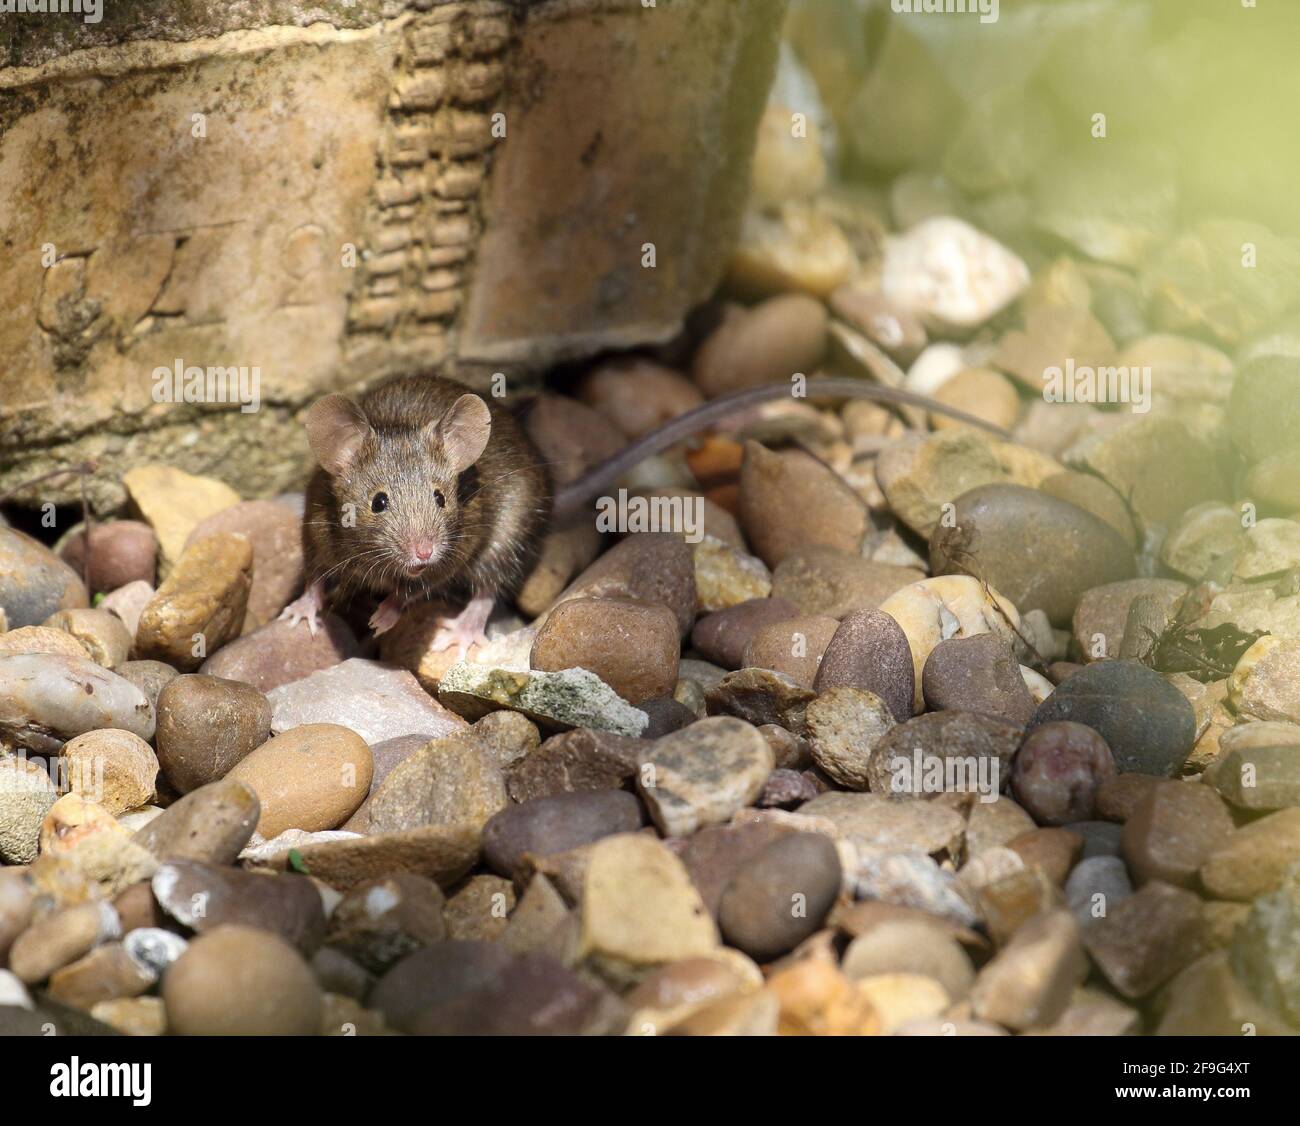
point(379, 503)
point(439, 499)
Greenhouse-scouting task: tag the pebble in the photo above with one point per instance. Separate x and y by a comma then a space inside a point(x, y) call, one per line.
point(715, 854)
point(212, 823)
point(575, 761)
point(106, 973)
point(922, 475)
point(911, 946)
point(507, 738)
point(637, 394)
point(1092, 494)
point(481, 909)
point(991, 825)
point(727, 576)
point(1204, 533)
point(101, 634)
point(790, 501)
point(1155, 463)
point(760, 697)
point(552, 700)
point(207, 726)
point(172, 502)
point(312, 777)
point(376, 701)
point(1268, 550)
point(549, 825)
point(912, 879)
point(47, 699)
point(885, 323)
point(792, 647)
point(977, 674)
point(1253, 860)
point(151, 677)
point(278, 653)
point(95, 843)
point(724, 635)
point(874, 823)
point(200, 605)
point(786, 789)
point(26, 795)
point(703, 774)
point(632, 646)
point(1100, 838)
point(1260, 779)
point(870, 652)
point(639, 909)
point(1039, 552)
point(17, 903)
point(843, 727)
point(275, 534)
point(1265, 685)
point(1141, 942)
point(781, 896)
point(531, 995)
point(34, 582)
point(798, 248)
point(127, 603)
point(379, 922)
point(944, 752)
point(133, 1016)
point(1012, 900)
point(115, 768)
point(41, 639)
point(1102, 614)
point(1119, 797)
point(766, 343)
point(938, 609)
point(1097, 884)
point(13, 993)
point(817, 1000)
point(241, 981)
point(1209, 999)
point(1030, 981)
point(1173, 831)
point(981, 392)
point(653, 567)
point(1147, 723)
point(1058, 770)
point(432, 975)
point(676, 991)
point(446, 782)
point(1263, 947)
point(1258, 427)
point(950, 274)
point(823, 581)
point(121, 552)
point(60, 938)
point(898, 999)
point(202, 896)
point(571, 437)
point(1053, 850)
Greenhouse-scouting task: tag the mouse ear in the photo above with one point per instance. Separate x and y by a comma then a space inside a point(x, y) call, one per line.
point(336, 427)
point(464, 431)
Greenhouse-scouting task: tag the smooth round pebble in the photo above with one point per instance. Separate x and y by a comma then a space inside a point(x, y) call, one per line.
point(1058, 770)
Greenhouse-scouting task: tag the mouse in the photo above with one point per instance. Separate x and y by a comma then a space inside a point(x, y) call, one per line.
point(425, 490)
point(422, 490)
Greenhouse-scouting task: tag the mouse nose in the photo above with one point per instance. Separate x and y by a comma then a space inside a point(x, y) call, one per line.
point(422, 550)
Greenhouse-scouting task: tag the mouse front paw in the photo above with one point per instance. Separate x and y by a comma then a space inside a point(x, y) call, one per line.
point(305, 609)
point(466, 629)
point(387, 615)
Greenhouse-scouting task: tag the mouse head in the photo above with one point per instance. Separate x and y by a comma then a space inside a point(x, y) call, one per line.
point(398, 487)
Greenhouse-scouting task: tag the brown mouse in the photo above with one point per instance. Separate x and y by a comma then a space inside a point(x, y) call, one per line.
point(427, 491)
point(423, 491)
